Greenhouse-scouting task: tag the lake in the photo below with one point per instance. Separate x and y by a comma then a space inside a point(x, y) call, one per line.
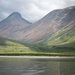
point(37, 66)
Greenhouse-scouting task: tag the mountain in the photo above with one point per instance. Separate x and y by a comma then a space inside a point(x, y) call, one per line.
point(16, 28)
point(48, 25)
point(13, 23)
point(55, 32)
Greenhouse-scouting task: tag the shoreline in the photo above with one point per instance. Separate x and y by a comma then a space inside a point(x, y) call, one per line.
point(51, 57)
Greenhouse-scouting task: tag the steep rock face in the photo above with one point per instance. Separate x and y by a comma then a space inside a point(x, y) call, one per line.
point(48, 25)
point(12, 24)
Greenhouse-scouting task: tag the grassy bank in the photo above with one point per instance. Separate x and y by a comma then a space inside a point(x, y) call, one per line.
point(37, 54)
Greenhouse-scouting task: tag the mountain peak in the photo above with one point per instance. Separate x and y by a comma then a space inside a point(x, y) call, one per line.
point(15, 19)
point(15, 15)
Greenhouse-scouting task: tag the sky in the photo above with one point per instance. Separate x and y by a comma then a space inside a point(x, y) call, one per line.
point(32, 10)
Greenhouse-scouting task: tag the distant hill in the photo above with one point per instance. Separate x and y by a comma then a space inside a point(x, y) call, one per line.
point(13, 24)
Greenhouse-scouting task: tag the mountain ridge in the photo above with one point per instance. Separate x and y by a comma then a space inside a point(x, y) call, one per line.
point(42, 29)
point(49, 24)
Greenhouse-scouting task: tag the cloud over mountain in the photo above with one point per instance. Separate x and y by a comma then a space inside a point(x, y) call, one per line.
point(32, 10)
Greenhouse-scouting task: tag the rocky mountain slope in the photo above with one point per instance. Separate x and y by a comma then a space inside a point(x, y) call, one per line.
point(13, 23)
point(50, 24)
point(39, 31)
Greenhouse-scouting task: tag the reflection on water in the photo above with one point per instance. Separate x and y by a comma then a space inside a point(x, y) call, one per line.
point(23, 66)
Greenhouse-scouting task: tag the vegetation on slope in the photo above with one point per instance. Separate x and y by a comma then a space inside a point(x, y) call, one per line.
point(62, 37)
point(11, 46)
point(8, 47)
point(61, 41)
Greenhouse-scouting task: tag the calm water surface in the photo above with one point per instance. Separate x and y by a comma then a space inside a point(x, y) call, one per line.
point(33, 66)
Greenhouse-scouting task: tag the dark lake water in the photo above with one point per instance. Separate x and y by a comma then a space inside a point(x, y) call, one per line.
point(33, 66)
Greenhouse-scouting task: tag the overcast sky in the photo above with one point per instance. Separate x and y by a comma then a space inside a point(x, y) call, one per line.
point(32, 10)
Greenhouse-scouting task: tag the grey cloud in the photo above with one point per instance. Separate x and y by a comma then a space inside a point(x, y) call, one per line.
point(32, 10)
point(69, 3)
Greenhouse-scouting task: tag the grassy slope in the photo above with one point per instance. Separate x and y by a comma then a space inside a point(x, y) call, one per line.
point(11, 46)
point(63, 40)
point(62, 37)
point(8, 47)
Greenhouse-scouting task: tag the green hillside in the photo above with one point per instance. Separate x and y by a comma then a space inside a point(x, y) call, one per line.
point(63, 40)
point(11, 46)
point(62, 37)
